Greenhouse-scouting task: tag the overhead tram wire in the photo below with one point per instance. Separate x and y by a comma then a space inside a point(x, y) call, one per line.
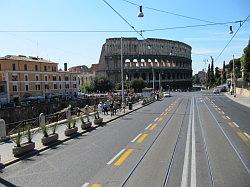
point(167, 12)
point(232, 38)
point(122, 31)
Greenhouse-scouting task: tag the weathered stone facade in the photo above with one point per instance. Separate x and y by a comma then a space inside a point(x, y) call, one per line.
point(168, 61)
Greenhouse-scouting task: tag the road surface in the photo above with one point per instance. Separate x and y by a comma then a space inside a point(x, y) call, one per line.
point(191, 139)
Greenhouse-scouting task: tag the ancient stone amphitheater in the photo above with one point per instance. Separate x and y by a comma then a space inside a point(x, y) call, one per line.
point(159, 62)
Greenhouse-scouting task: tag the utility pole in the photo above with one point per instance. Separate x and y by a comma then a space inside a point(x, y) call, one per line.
point(122, 72)
point(234, 78)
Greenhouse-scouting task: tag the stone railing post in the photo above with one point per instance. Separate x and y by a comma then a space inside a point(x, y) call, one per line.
point(41, 119)
point(2, 130)
point(68, 113)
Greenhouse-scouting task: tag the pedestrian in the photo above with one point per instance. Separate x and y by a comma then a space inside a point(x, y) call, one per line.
point(115, 107)
point(112, 108)
point(105, 109)
point(100, 107)
point(123, 106)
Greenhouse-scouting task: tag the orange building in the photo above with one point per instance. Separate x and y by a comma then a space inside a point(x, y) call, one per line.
point(22, 77)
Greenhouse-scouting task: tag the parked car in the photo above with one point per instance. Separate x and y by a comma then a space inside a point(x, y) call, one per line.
point(166, 94)
point(216, 91)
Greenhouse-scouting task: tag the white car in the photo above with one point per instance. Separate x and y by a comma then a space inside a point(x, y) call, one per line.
point(166, 94)
point(216, 91)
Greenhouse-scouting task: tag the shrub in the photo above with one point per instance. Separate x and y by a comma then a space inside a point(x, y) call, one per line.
point(28, 134)
point(18, 138)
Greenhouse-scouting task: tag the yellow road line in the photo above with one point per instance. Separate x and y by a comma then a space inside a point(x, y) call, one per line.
point(96, 185)
point(153, 127)
point(242, 136)
point(124, 156)
point(160, 119)
point(224, 117)
point(141, 138)
point(231, 124)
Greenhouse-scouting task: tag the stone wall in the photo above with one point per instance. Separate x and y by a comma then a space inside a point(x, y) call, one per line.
point(243, 92)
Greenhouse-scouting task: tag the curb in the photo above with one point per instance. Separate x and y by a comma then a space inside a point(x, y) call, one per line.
point(37, 151)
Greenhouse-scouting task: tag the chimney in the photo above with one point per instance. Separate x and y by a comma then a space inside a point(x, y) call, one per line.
point(65, 67)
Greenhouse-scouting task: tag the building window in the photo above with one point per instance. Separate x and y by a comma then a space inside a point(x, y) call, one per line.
point(38, 87)
point(55, 86)
point(46, 78)
point(37, 78)
point(14, 67)
point(14, 88)
point(26, 77)
point(46, 87)
point(74, 85)
point(60, 86)
point(26, 87)
point(59, 78)
point(14, 78)
point(54, 78)
point(66, 86)
point(25, 67)
point(45, 68)
point(66, 78)
point(36, 67)
point(74, 78)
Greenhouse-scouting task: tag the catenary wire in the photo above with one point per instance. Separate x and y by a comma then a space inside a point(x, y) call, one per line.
point(231, 38)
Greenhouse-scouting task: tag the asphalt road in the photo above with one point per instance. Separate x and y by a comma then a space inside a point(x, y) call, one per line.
point(190, 139)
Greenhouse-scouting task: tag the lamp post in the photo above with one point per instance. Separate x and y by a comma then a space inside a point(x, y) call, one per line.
point(234, 78)
point(122, 73)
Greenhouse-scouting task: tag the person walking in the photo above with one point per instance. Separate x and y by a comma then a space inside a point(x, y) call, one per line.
point(115, 107)
point(111, 108)
point(105, 109)
point(100, 108)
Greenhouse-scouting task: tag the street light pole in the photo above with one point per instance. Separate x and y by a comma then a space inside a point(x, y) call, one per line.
point(122, 73)
point(234, 78)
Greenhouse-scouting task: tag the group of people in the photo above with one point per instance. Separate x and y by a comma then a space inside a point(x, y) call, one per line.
point(111, 106)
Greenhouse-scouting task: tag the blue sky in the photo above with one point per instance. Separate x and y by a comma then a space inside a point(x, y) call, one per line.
point(85, 48)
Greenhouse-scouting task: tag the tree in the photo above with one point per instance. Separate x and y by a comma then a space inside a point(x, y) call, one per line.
point(86, 87)
point(102, 84)
point(224, 78)
point(212, 79)
point(138, 85)
point(217, 76)
point(245, 62)
point(196, 80)
point(208, 79)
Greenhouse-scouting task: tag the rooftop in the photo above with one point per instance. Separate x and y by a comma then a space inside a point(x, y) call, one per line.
point(25, 58)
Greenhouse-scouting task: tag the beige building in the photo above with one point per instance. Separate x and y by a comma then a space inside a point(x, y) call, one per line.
point(22, 77)
point(85, 74)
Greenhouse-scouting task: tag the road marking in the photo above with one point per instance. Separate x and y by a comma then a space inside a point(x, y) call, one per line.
point(223, 112)
point(142, 137)
point(153, 127)
point(227, 117)
point(247, 135)
point(231, 124)
point(242, 136)
point(124, 156)
point(160, 119)
point(236, 124)
point(116, 156)
point(228, 139)
point(184, 178)
point(193, 158)
point(148, 126)
point(85, 184)
point(156, 119)
point(136, 138)
point(218, 108)
point(96, 185)
point(224, 117)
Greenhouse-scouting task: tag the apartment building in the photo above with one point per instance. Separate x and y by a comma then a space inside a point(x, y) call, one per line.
point(23, 77)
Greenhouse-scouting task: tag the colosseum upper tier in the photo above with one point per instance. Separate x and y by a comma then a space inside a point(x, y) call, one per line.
point(160, 63)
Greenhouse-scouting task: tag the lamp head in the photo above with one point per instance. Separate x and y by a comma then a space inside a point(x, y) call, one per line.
point(140, 15)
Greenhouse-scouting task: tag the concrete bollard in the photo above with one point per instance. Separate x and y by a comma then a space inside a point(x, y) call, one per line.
point(2, 130)
point(41, 119)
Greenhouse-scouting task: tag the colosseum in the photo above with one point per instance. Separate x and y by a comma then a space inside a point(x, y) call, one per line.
point(160, 63)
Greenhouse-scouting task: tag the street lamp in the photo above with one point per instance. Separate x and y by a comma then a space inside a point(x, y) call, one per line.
point(122, 73)
point(234, 78)
point(140, 15)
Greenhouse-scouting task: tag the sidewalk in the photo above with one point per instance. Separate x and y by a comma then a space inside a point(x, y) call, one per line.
point(7, 157)
point(239, 99)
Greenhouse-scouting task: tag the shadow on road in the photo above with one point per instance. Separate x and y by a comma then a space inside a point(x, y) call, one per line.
point(6, 183)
